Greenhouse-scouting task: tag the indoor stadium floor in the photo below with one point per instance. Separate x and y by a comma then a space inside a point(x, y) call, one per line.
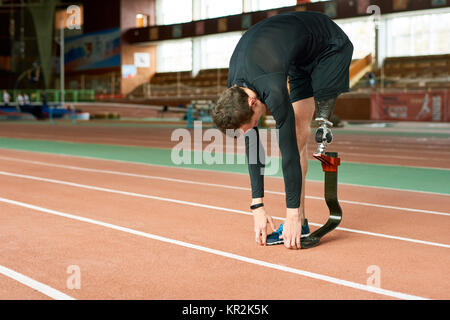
point(106, 198)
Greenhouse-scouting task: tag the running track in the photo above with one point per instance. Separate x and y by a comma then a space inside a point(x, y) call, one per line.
point(140, 231)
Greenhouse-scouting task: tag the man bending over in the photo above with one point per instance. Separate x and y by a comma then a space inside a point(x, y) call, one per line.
point(310, 51)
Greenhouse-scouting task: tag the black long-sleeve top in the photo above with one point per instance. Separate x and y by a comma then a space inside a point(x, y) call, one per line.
point(261, 62)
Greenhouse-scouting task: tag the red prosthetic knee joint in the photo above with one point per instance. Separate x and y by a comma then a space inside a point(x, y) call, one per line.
point(329, 161)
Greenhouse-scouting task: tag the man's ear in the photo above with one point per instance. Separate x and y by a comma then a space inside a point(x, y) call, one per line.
point(251, 102)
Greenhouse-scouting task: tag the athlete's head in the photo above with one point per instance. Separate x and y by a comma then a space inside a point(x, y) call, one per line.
point(236, 109)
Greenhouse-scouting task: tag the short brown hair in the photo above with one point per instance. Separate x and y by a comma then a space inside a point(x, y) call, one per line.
point(232, 110)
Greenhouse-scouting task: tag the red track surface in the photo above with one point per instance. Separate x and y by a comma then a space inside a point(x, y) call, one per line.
point(118, 265)
point(394, 150)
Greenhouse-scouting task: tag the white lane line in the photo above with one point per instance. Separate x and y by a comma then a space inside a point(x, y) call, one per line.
point(195, 204)
point(36, 285)
point(122, 173)
point(300, 272)
point(206, 170)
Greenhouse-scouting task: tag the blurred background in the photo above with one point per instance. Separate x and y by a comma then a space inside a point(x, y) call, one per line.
point(147, 59)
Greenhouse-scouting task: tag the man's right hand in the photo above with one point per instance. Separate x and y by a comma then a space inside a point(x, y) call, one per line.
point(292, 229)
point(261, 218)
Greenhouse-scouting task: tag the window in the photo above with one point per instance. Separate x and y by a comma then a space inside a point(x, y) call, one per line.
point(418, 35)
point(174, 55)
point(205, 9)
point(173, 11)
point(141, 20)
point(216, 50)
point(256, 5)
point(179, 11)
point(361, 32)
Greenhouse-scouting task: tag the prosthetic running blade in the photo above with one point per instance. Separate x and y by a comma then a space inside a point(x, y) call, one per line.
point(330, 162)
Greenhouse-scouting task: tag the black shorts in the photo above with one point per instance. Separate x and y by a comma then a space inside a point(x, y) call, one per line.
point(326, 77)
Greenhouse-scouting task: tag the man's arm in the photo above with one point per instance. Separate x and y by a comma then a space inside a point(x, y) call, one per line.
point(292, 173)
point(256, 161)
point(277, 100)
point(290, 160)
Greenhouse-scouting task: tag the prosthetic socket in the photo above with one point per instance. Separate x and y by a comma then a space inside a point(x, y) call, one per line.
point(324, 109)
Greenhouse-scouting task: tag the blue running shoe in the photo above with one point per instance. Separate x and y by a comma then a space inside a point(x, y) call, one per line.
point(274, 237)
